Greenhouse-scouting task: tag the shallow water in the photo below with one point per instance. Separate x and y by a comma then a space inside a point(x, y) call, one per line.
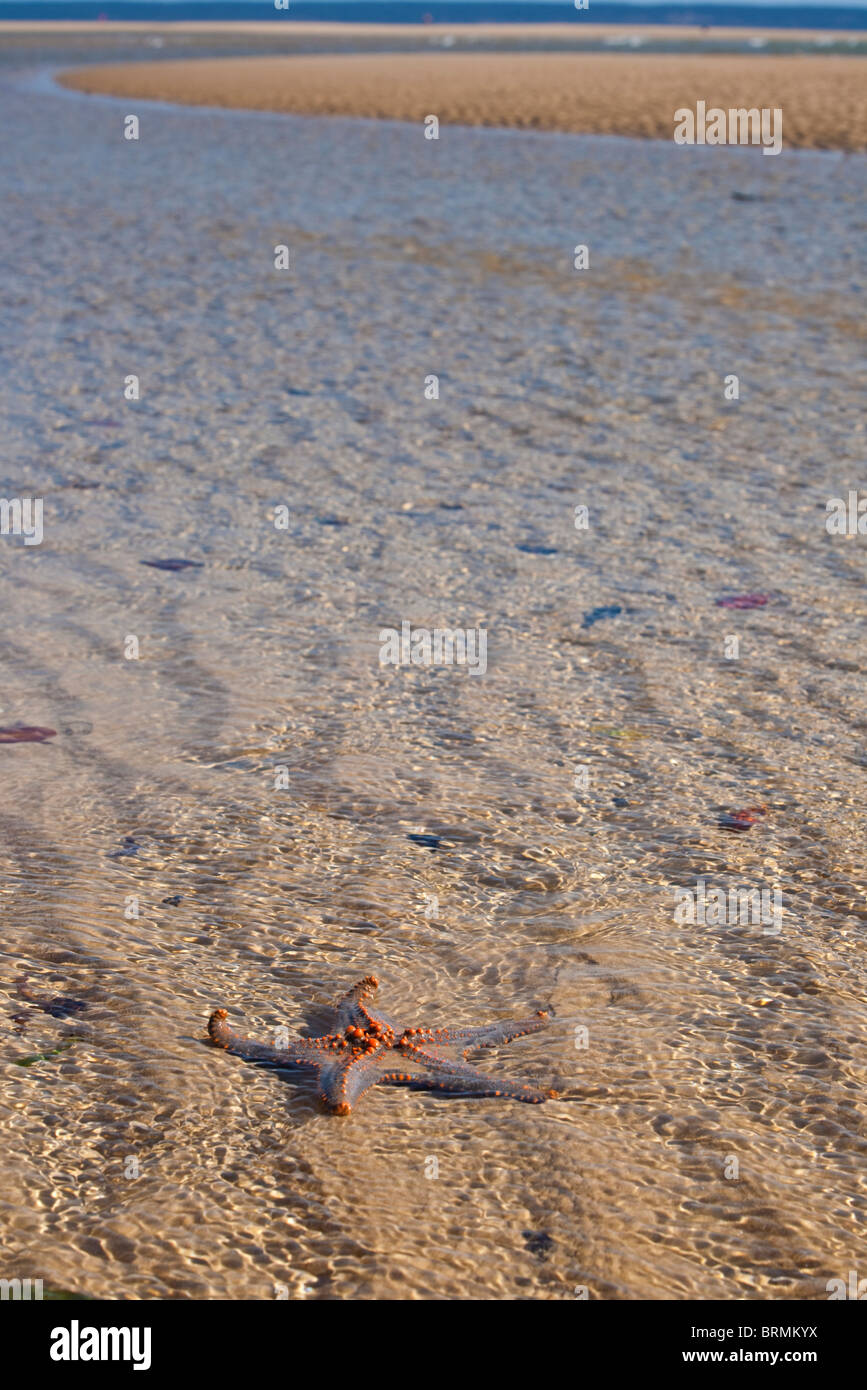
point(306, 389)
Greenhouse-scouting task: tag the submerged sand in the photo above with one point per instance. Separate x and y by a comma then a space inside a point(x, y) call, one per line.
point(823, 98)
point(306, 388)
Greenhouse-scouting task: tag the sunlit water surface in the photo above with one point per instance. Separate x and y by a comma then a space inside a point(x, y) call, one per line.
point(305, 389)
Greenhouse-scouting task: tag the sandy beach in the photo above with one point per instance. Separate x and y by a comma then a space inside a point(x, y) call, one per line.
point(250, 811)
point(823, 98)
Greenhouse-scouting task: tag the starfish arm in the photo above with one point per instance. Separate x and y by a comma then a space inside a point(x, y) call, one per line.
point(343, 1077)
point(416, 1080)
point(489, 1035)
point(301, 1052)
point(354, 1009)
point(422, 1081)
point(461, 1079)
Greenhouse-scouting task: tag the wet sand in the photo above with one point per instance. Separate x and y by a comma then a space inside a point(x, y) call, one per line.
point(305, 389)
point(823, 98)
point(270, 897)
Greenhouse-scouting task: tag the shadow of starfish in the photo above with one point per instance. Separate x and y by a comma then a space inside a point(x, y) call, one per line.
point(365, 1046)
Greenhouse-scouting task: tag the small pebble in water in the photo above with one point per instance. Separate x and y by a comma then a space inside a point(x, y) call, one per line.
point(25, 733)
point(597, 614)
point(43, 1056)
point(538, 1243)
point(173, 564)
point(59, 1006)
point(130, 847)
point(743, 601)
point(742, 820)
point(628, 734)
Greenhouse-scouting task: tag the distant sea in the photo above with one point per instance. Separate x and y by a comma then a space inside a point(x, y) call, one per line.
point(776, 16)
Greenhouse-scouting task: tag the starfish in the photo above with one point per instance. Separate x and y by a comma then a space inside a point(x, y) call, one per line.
point(368, 1049)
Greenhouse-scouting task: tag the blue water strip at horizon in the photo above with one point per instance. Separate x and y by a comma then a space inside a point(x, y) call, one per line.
point(773, 14)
